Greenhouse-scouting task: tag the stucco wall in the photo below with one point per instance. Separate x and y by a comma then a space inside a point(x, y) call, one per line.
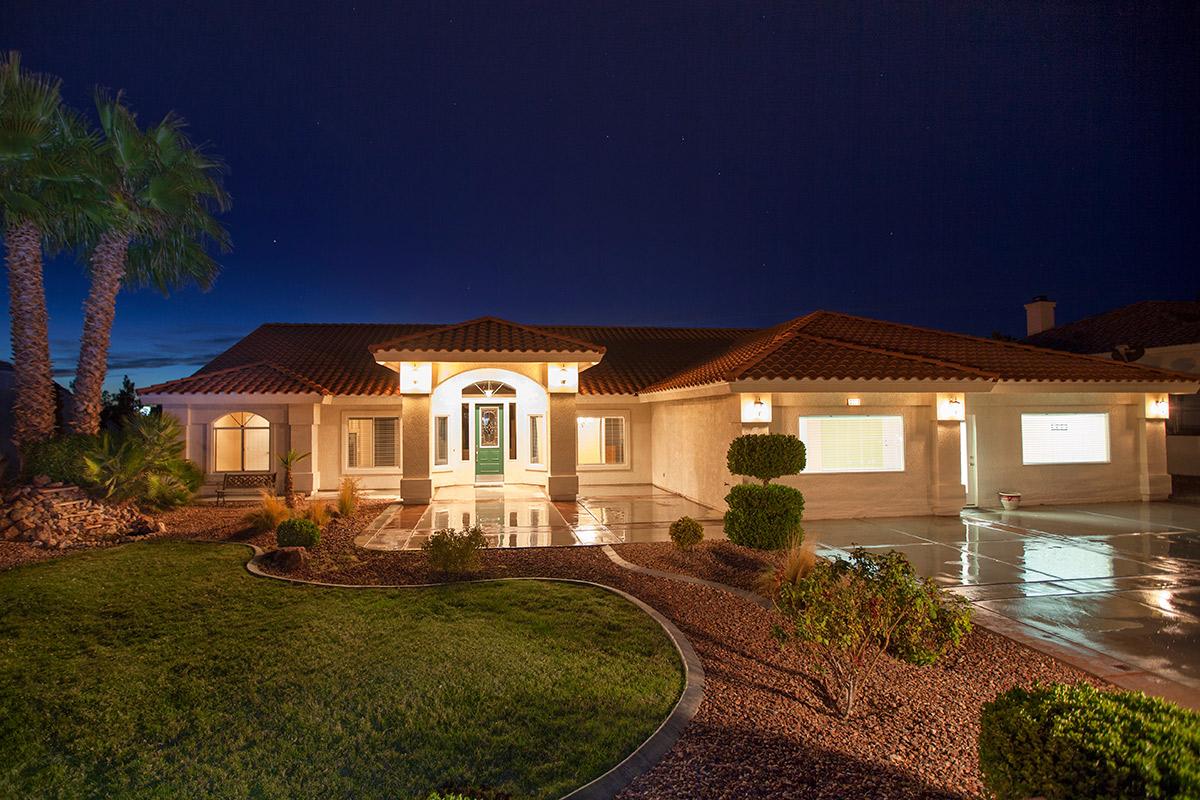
point(688, 441)
point(638, 448)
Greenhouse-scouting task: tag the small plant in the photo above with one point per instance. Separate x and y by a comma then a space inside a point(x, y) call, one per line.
point(686, 533)
point(143, 463)
point(318, 512)
point(267, 515)
point(764, 517)
point(288, 461)
point(798, 562)
point(455, 552)
point(297, 532)
point(854, 612)
point(348, 497)
point(765, 456)
point(1064, 741)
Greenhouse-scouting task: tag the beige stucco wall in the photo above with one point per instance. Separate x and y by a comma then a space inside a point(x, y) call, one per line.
point(688, 440)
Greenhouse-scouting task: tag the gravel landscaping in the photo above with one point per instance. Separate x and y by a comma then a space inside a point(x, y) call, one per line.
point(764, 728)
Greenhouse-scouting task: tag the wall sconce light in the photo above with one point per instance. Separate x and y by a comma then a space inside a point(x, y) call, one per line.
point(854, 402)
point(416, 377)
point(950, 408)
point(1157, 407)
point(756, 409)
point(562, 378)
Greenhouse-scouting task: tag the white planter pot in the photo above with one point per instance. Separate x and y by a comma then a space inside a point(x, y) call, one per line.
point(1010, 501)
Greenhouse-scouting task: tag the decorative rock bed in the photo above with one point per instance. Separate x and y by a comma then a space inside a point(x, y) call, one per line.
point(57, 515)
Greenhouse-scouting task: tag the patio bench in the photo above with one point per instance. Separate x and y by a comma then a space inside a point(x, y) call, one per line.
point(244, 480)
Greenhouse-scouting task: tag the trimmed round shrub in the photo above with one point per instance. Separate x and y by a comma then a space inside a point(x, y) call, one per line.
point(455, 552)
point(1073, 741)
point(297, 532)
point(764, 516)
point(60, 459)
point(765, 455)
point(686, 533)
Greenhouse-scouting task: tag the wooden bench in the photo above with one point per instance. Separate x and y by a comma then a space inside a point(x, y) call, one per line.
point(244, 480)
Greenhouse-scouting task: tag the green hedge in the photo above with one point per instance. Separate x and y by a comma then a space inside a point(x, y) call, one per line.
point(61, 459)
point(765, 455)
point(1062, 742)
point(765, 517)
point(297, 532)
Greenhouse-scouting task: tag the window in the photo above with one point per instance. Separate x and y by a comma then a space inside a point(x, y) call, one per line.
point(853, 444)
point(512, 431)
point(441, 441)
point(241, 443)
point(465, 436)
point(1064, 438)
point(535, 439)
point(371, 442)
point(601, 440)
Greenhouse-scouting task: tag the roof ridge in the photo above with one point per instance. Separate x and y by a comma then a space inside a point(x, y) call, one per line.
point(236, 368)
point(488, 318)
point(296, 376)
point(900, 354)
point(784, 332)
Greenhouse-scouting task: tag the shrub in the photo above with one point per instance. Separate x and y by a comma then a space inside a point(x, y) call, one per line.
point(1061, 741)
point(765, 455)
point(60, 459)
point(686, 533)
point(143, 463)
point(766, 517)
point(855, 611)
point(455, 552)
point(267, 515)
point(318, 512)
point(798, 562)
point(348, 497)
point(297, 532)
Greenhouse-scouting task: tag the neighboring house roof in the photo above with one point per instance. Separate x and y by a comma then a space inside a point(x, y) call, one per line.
point(337, 359)
point(488, 335)
point(1150, 323)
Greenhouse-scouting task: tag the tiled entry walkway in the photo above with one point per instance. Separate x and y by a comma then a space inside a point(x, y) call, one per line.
point(1120, 580)
point(522, 516)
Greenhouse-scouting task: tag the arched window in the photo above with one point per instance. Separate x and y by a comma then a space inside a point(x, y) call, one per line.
point(242, 443)
point(489, 389)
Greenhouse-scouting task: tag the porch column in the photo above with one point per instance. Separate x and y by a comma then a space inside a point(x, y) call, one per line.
point(564, 480)
point(416, 487)
point(304, 422)
point(193, 434)
point(947, 495)
point(1154, 481)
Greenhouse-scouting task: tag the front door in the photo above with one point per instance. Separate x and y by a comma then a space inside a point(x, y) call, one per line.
point(489, 436)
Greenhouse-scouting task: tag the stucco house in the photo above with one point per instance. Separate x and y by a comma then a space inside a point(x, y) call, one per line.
point(897, 419)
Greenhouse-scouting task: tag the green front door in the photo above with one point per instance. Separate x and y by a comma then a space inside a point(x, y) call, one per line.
point(489, 440)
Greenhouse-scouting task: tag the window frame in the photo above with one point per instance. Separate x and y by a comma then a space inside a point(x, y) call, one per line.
point(903, 445)
point(537, 429)
point(445, 458)
point(627, 449)
point(212, 437)
point(372, 415)
point(1107, 437)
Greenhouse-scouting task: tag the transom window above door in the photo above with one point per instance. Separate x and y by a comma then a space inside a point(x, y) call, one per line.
point(241, 443)
point(489, 389)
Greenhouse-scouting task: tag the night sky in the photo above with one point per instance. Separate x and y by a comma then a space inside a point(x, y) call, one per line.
point(650, 163)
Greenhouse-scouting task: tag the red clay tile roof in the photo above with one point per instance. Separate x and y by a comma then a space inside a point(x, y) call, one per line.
point(1150, 323)
point(337, 359)
point(488, 335)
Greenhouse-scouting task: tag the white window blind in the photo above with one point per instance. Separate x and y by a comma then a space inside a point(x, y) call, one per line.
point(441, 440)
point(601, 440)
point(853, 443)
point(1064, 438)
point(371, 442)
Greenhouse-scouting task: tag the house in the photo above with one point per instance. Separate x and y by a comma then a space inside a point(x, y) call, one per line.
point(896, 419)
point(1157, 333)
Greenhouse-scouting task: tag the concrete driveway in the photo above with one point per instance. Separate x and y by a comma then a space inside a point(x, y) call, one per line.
point(1113, 588)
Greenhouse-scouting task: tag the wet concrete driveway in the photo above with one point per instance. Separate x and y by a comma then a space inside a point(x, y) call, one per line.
point(1114, 588)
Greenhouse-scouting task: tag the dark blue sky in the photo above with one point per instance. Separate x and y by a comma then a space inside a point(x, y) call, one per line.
point(657, 163)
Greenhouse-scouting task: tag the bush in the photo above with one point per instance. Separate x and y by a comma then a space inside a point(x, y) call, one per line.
point(60, 459)
point(765, 517)
point(318, 512)
point(455, 552)
point(765, 455)
point(798, 562)
point(348, 497)
point(686, 533)
point(143, 463)
point(1062, 741)
point(297, 532)
point(853, 612)
point(271, 511)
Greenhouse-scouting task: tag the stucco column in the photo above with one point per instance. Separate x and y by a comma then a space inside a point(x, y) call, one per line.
point(416, 487)
point(947, 495)
point(1154, 480)
point(304, 422)
point(193, 435)
point(564, 480)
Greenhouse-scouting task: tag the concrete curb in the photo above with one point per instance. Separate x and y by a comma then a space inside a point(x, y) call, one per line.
point(745, 594)
point(649, 752)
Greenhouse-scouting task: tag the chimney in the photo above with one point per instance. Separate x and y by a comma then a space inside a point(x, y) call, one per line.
point(1039, 315)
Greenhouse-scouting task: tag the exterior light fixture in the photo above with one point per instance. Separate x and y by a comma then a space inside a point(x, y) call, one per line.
point(756, 409)
point(854, 401)
point(416, 377)
point(950, 408)
point(562, 378)
point(1157, 407)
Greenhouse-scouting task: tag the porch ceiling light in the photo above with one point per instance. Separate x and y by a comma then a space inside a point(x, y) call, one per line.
point(854, 401)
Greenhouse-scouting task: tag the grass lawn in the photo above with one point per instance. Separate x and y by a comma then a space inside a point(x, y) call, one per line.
point(165, 670)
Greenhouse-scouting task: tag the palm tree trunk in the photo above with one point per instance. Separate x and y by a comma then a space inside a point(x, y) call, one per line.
point(34, 405)
point(108, 269)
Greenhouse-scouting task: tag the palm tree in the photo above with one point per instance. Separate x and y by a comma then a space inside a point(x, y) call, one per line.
point(161, 193)
point(43, 154)
point(288, 461)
